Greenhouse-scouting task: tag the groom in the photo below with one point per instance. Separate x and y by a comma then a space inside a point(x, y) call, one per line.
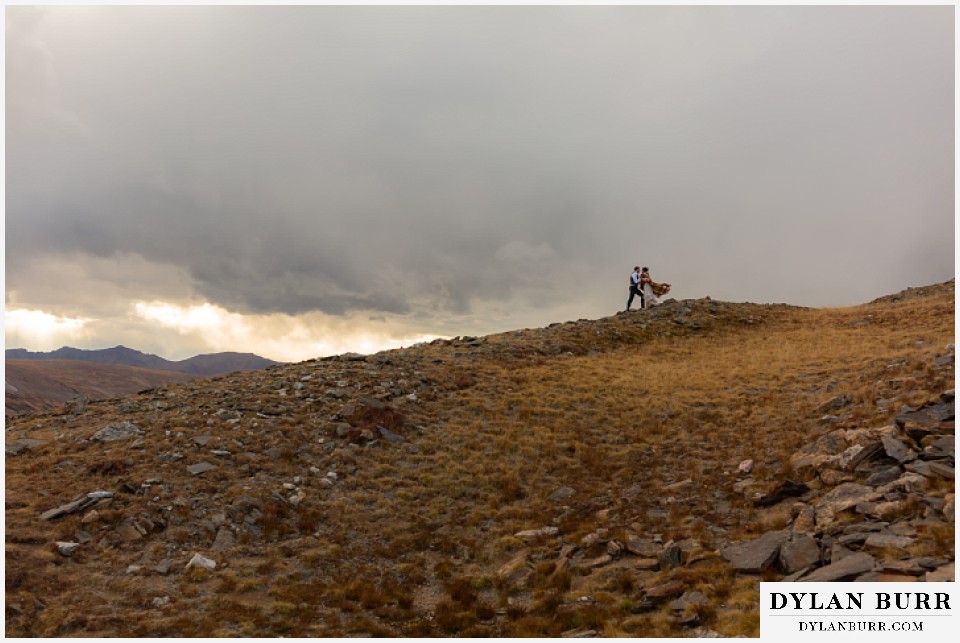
point(635, 288)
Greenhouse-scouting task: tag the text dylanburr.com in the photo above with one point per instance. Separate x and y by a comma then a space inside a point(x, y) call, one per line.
point(858, 611)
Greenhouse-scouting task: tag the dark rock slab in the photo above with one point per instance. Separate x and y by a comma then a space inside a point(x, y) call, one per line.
point(76, 505)
point(867, 454)
point(689, 600)
point(670, 556)
point(943, 470)
point(644, 547)
point(939, 447)
point(835, 403)
point(909, 567)
point(561, 494)
point(372, 403)
point(888, 541)
point(883, 476)
point(389, 435)
point(936, 418)
point(200, 467)
point(932, 470)
point(786, 489)
point(224, 540)
point(898, 449)
point(755, 556)
point(799, 552)
point(847, 567)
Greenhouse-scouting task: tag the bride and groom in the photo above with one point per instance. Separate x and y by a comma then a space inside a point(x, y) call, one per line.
point(649, 291)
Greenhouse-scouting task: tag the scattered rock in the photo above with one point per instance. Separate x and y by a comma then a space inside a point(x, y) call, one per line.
point(71, 507)
point(18, 446)
point(579, 633)
point(561, 494)
point(755, 556)
point(786, 489)
point(799, 552)
point(883, 476)
point(805, 522)
point(593, 563)
point(389, 436)
point(670, 556)
point(160, 601)
point(841, 498)
point(835, 404)
point(898, 450)
point(200, 467)
point(888, 541)
point(78, 504)
point(677, 486)
point(116, 432)
point(531, 534)
point(665, 590)
point(644, 547)
point(848, 567)
point(509, 569)
point(67, 548)
point(201, 562)
point(689, 600)
point(832, 477)
point(224, 540)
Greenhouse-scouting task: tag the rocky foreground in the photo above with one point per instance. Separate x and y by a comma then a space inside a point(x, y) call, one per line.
point(880, 492)
point(541, 482)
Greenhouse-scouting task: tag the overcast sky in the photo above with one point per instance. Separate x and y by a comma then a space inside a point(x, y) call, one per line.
point(299, 181)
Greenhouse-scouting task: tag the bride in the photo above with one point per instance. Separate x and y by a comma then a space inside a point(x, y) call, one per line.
point(652, 291)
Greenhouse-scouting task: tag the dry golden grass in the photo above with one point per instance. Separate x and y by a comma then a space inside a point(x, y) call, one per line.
point(408, 540)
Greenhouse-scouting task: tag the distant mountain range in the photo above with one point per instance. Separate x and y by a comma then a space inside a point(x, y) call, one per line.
point(38, 382)
point(202, 365)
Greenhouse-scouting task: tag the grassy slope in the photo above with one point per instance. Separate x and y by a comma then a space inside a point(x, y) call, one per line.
point(409, 539)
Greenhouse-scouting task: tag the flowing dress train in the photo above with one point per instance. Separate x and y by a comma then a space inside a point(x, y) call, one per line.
point(652, 291)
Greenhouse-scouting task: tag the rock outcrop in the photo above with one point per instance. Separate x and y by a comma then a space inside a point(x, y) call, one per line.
point(880, 492)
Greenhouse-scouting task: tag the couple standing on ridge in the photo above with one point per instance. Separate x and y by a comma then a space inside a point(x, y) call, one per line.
point(649, 291)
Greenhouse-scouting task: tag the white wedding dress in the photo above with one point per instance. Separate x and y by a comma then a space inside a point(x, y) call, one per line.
point(649, 299)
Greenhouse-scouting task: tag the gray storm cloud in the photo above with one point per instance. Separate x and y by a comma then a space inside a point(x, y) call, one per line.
point(439, 160)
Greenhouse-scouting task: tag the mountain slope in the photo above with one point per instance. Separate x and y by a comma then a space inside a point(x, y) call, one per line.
point(212, 364)
point(467, 487)
point(42, 385)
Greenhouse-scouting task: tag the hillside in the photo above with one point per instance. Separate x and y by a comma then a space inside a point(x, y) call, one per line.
point(43, 385)
point(603, 477)
point(212, 364)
